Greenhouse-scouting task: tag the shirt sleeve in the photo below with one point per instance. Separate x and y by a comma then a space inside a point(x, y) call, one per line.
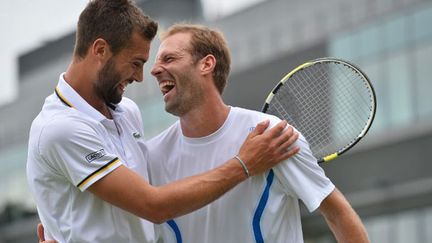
point(303, 178)
point(77, 150)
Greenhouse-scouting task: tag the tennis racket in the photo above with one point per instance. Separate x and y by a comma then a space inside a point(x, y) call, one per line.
point(330, 101)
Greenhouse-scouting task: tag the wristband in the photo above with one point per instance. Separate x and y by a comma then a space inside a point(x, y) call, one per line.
point(243, 165)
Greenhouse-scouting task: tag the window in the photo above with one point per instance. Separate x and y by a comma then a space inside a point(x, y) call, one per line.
point(422, 69)
point(396, 54)
point(395, 33)
point(422, 21)
point(400, 89)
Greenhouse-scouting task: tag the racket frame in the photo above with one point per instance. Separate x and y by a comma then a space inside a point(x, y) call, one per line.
point(343, 62)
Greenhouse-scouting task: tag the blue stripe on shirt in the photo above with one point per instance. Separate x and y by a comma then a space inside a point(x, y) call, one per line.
point(259, 211)
point(176, 230)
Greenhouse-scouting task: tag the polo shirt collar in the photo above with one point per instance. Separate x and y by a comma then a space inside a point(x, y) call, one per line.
point(72, 99)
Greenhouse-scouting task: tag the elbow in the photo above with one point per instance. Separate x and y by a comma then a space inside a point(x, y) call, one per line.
point(157, 213)
point(159, 221)
point(158, 218)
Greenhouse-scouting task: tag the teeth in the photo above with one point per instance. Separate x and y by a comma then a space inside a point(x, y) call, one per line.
point(122, 86)
point(166, 86)
point(166, 83)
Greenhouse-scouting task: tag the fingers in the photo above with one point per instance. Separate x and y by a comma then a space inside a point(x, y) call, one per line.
point(285, 144)
point(263, 150)
point(289, 153)
point(286, 139)
point(277, 130)
point(260, 128)
point(40, 232)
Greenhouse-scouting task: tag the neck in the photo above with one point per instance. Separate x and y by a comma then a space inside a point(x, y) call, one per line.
point(204, 120)
point(81, 77)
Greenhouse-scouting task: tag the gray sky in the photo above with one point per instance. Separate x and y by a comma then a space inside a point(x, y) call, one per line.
point(28, 24)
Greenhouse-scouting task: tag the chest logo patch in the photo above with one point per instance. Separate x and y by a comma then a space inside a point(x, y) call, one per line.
point(95, 155)
point(136, 135)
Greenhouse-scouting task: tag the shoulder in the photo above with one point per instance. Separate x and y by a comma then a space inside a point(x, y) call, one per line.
point(65, 127)
point(254, 116)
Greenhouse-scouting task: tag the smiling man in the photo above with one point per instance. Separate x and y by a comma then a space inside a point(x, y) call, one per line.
point(86, 164)
point(192, 68)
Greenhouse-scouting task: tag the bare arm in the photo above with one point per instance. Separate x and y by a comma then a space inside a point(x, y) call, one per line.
point(125, 189)
point(342, 219)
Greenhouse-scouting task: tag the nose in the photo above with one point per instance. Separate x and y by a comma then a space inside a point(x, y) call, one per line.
point(156, 69)
point(139, 75)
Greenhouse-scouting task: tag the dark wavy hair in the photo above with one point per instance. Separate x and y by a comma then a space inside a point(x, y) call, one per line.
point(114, 21)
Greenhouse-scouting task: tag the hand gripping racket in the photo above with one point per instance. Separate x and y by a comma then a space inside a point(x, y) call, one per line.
point(330, 101)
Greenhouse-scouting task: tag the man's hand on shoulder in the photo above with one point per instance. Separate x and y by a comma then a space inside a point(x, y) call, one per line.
point(264, 149)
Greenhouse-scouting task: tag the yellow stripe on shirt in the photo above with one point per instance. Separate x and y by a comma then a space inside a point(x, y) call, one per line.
point(98, 172)
point(62, 98)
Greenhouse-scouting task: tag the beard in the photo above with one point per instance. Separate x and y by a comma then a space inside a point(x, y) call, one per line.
point(189, 95)
point(106, 85)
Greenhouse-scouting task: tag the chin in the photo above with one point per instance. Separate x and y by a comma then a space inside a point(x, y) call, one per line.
point(171, 110)
point(115, 100)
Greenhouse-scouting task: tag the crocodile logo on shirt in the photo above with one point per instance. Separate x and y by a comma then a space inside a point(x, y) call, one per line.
point(136, 135)
point(95, 155)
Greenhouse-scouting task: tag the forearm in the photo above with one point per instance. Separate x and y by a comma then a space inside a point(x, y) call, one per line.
point(127, 190)
point(342, 219)
point(192, 193)
point(349, 229)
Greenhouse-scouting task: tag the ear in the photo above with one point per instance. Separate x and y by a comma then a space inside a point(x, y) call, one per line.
point(101, 49)
point(207, 64)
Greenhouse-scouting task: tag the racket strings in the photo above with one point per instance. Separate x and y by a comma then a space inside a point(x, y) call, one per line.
point(327, 103)
point(354, 101)
point(303, 91)
point(351, 105)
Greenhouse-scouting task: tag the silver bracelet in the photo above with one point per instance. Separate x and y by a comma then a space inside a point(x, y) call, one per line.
point(243, 165)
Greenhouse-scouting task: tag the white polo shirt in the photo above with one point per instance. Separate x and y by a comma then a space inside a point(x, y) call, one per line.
point(71, 146)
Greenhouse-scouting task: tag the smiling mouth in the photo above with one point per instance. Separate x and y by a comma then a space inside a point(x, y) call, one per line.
point(166, 86)
point(122, 86)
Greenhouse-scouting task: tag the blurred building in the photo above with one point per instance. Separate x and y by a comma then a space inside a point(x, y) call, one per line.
point(387, 177)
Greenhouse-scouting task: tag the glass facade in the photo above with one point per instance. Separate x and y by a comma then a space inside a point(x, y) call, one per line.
point(396, 53)
point(407, 226)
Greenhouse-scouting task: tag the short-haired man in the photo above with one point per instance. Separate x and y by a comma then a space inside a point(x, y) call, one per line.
point(192, 67)
point(86, 165)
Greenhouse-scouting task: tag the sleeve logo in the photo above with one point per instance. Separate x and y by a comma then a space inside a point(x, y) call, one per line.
point(95, 155)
